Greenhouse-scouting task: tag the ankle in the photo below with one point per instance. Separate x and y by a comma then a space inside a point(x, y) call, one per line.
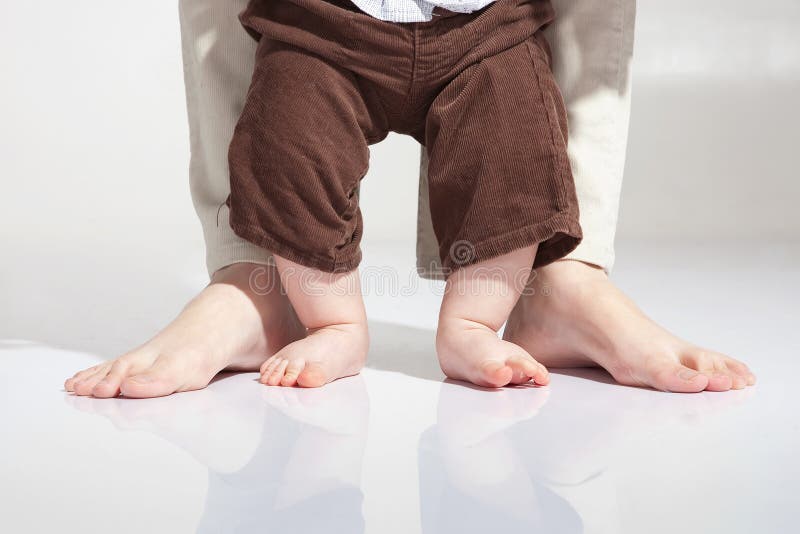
point(453, 333)
point(571, 271)
point(356, 333)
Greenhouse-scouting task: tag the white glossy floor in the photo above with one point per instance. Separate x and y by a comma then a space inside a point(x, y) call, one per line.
point(397, 449)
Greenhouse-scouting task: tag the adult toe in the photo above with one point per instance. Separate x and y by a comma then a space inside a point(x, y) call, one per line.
point(740, 369)
point(69, 384)
point(707, 363)
point(673, 376)
point(110, 384)
point(85, 386)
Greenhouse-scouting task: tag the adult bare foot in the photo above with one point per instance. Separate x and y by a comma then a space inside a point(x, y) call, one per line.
point(238, 321)
point(584, 320)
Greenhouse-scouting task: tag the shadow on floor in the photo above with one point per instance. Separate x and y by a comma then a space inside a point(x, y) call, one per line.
point(404, 349)
point(108, 304)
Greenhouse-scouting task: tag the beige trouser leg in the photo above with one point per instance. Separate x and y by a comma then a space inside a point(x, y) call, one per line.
point(218, 61)
point(592, 42)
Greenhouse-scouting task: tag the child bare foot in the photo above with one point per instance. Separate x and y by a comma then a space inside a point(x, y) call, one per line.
point(331, 307)
point(477, 301)
point(586, 321)
point(231, 324)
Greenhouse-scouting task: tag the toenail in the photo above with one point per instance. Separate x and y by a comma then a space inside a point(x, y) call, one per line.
point(688, 374)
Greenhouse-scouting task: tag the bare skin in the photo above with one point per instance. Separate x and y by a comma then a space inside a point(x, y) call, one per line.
point(236, 322)
point(477, 301)
point(330, 306)
point(583, 320)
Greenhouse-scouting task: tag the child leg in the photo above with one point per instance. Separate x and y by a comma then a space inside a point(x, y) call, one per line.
point(296, 158)
point(477, 301)
point(330, 306)
point(501, 195)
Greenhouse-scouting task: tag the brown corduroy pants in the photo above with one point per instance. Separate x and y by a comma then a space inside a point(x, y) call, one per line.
point(476, 89)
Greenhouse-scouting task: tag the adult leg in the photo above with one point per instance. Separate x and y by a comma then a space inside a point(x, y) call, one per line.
point(583, 319)
point(241, 318)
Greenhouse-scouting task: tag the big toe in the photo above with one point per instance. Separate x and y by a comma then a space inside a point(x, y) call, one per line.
point(314, 375)
point(161, 379)
point(494, 374)
point(147, 385)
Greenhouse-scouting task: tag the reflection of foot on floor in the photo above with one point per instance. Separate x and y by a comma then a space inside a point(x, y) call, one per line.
point(327, 455)
point(470, 415)
point(576, 318)
point(229, 408)
point(476, 452)
point(341, 408)
point(231, 324)
point(473, 476)
point(305, 474)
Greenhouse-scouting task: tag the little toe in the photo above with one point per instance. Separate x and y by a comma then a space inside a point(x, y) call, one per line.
point(293, 371)
point(313, 375)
